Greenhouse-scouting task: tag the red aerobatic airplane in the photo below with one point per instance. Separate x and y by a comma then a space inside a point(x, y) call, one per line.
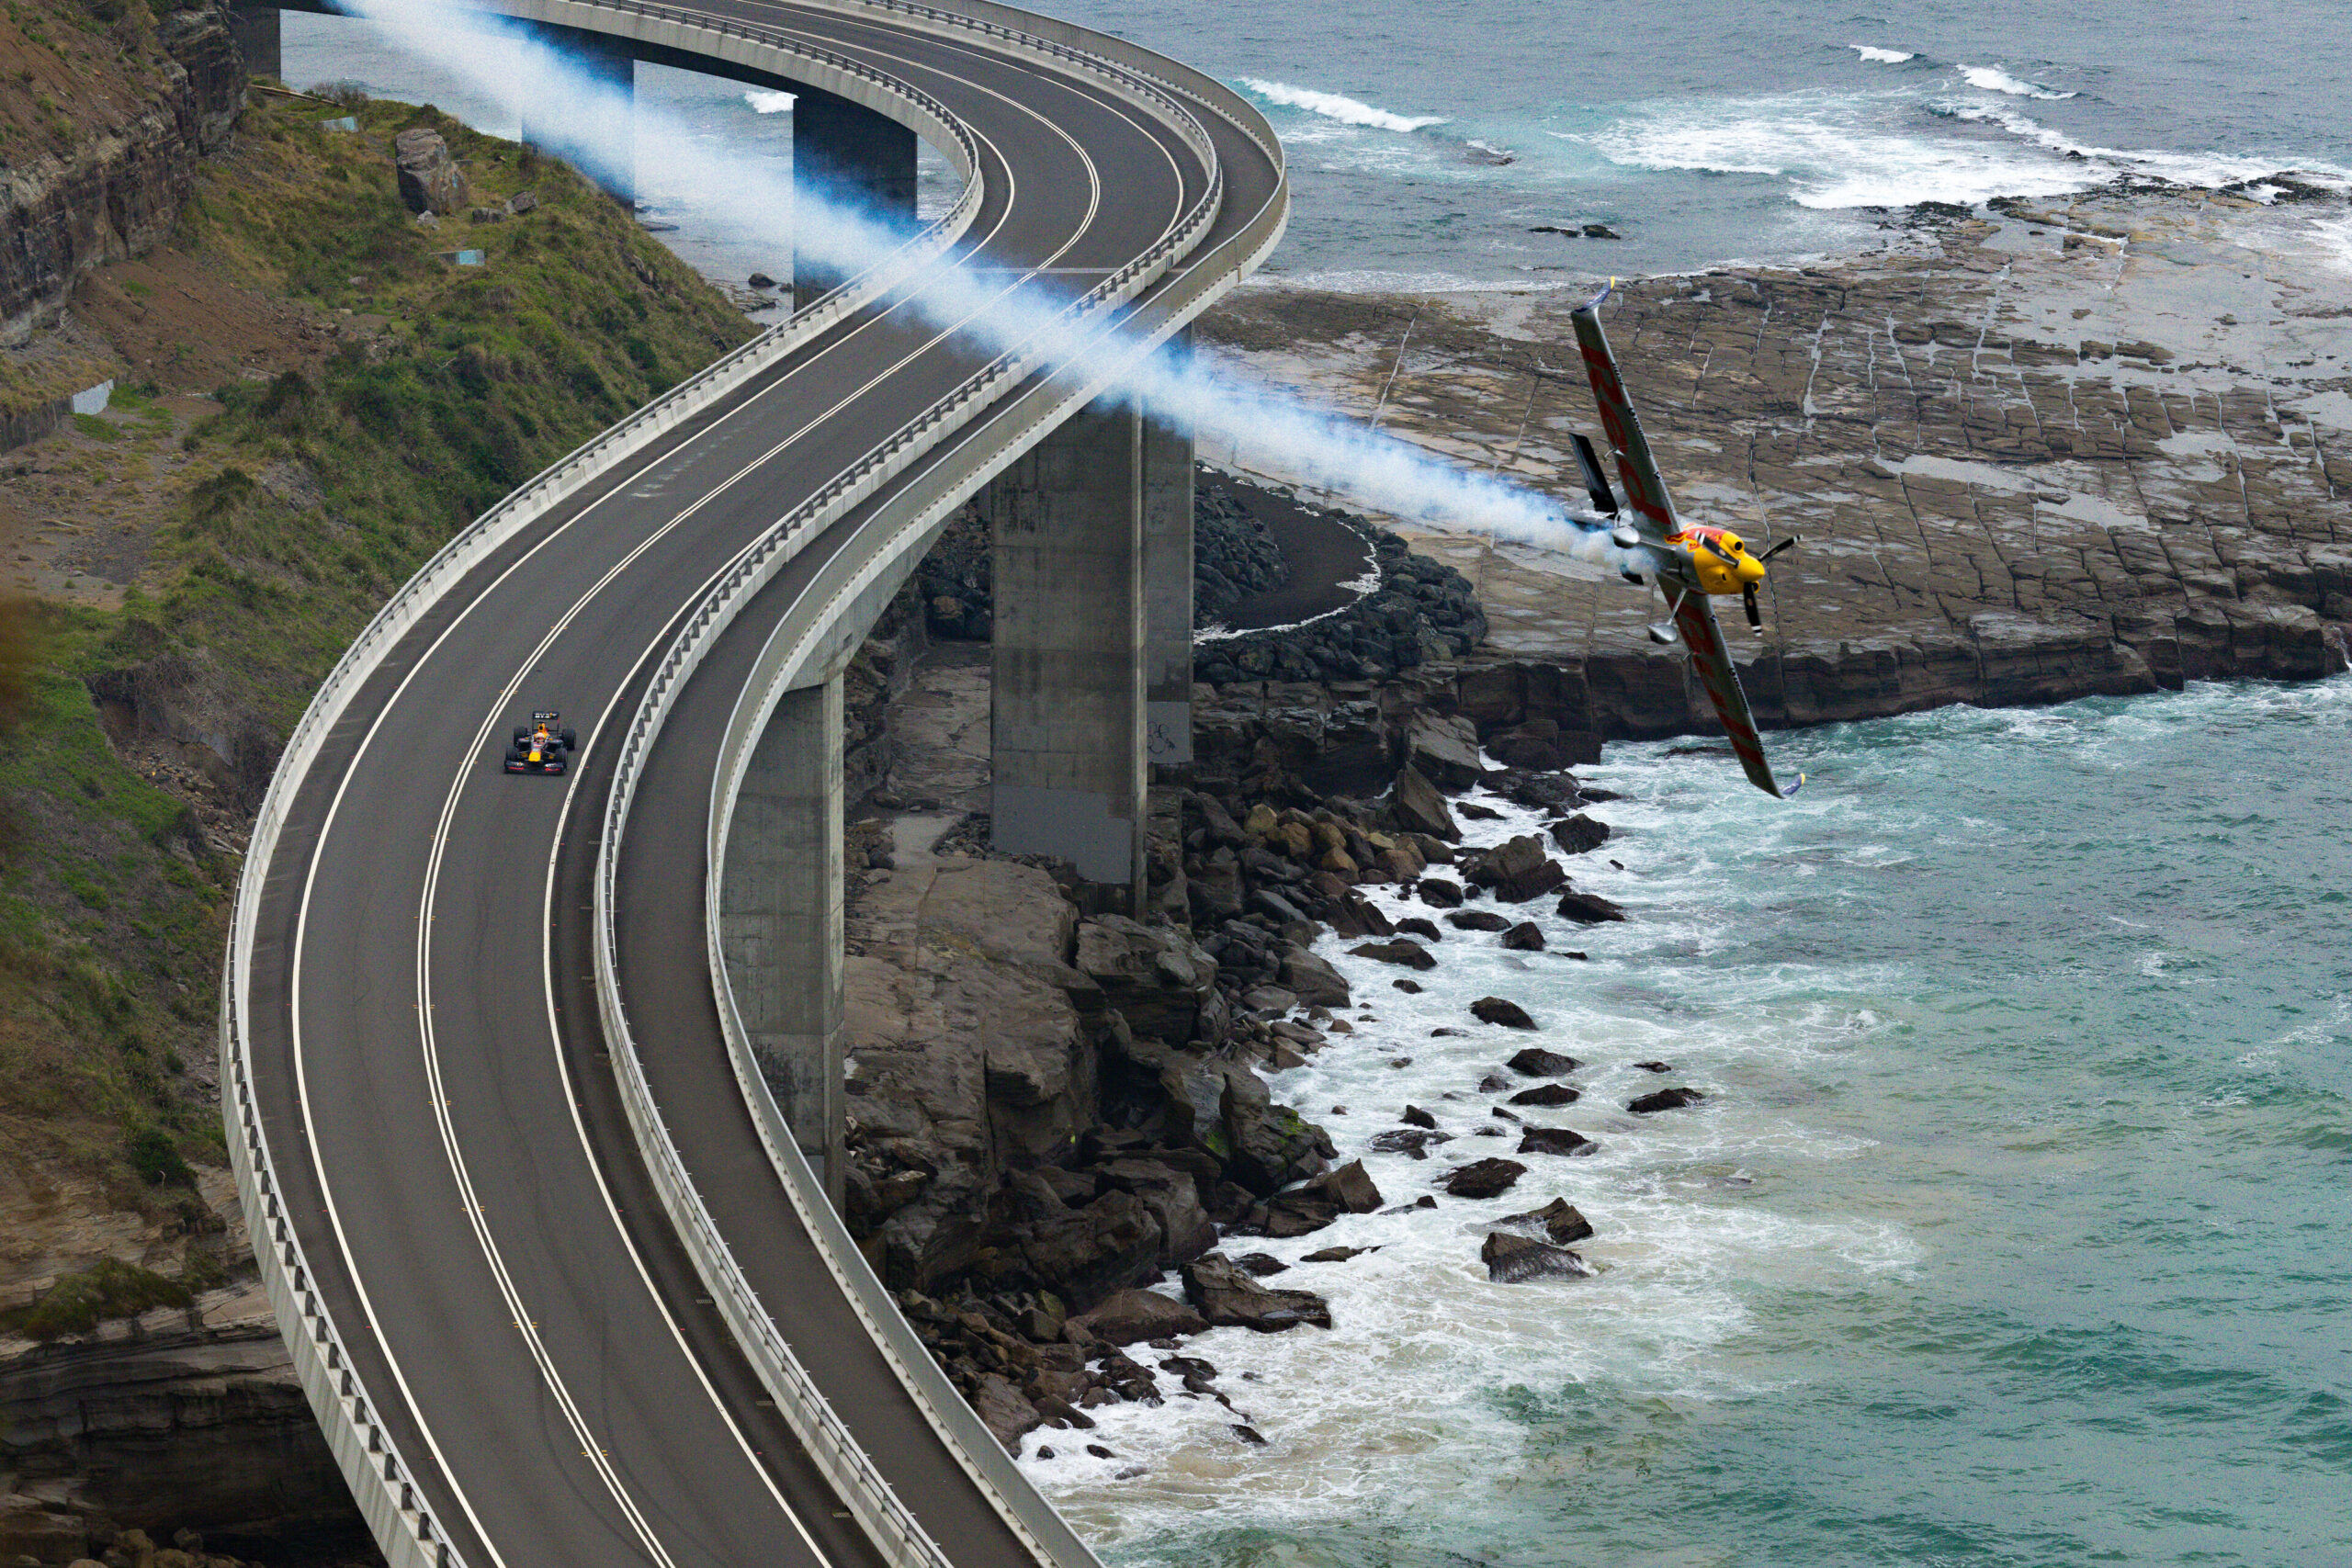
point(1690, 563)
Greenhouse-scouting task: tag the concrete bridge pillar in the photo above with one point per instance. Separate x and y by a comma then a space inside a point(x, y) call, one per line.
point(1067, 721)
point(596, 133)
point(254, 28)
point(850, 156)
point(1168, 596)
point(780, 919)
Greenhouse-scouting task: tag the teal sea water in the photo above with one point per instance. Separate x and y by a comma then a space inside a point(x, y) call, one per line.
point(2012, 1231)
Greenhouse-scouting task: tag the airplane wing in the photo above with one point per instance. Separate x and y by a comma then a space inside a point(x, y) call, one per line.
point(1653, 510)
point(1695, 618)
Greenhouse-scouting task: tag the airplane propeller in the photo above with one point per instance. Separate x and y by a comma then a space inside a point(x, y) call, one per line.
point(1755, 615)
point(1788, 544)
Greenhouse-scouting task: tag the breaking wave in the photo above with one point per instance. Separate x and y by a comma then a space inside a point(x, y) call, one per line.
point(764, 102)
point(1336, 106)
point(1884, 56)
point(1993, 79)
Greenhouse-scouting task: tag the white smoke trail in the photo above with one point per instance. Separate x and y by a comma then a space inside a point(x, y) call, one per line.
point(608, 132)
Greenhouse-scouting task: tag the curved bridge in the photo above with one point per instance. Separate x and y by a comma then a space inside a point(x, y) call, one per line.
point(532, 1086)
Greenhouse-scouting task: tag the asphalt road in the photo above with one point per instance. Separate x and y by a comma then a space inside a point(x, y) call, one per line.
point(424, 1037)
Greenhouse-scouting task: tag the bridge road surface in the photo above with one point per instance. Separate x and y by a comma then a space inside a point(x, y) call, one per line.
point(430, 1068)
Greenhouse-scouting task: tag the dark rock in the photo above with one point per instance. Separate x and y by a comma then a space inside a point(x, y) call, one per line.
point(1517, 870)
point(1496, 1010)
point(1445, 748)
point(1438, 893)
point(1270, 1145)
point(1411, 987)
point(1158, 979)
point(1498, 1111)
point(1547, 1094)
point(1537, 1063)
point(1444, 1033)
point(1337, 1254)
point(1249, 1434)
point(1475, 812)
point(1557, 1220)
point(1260, 1264)
point(1083, 1255)
point(1515, 1260)
point(1353, 915)
point(1579, 834)
point(1588, 909)
point(1001, 1408)
point(1229, 1298)
point(1524, 937)
point(1655, 1066)
point(1416, 1117)
point(1416, 807)
point(1414, 1141)
point(1664, 1099)
point(1173, 1196)
point(1411, 954)
point(1419, 926)
point(428, 178)
point(1423, 1201)
point(1314, 982)
point(1131, 1317)
point(1555, 1141)
point(1478, 920)
point(761, 280)
point(1483, 1178)
point(1344, 1190)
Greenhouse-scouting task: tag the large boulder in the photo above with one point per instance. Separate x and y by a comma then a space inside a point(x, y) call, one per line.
point(1478, 920)
point(1231, 1299)
point(1411, 954)
point(1314, 982)
point(1664, 1099)
point(1588, 909)
point(1006, 1412)
point(1516, 869)
point(1547, 1094)
point(1345, 1190)
point(1500, 1011)
point(1579, 834)
point(430, 180)
point(1536, 1062)
point(1557, 1221)
point(1515, 1260)
point(1444, 747)
point(1154, 974)
point(1414, 1141)
point(1081, 1254)
point(1483, 1178)
point(1555, 1141)
point(1131, 1317)
point(1418, 807)
point(1524, 937)
point(1268, 1147)
point(1173, 1196)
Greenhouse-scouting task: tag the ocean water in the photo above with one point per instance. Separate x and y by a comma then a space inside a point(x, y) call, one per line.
point(2010, 1231)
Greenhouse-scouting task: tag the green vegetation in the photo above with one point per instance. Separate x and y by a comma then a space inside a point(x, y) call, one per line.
point(79, 1303)
point(308, 499)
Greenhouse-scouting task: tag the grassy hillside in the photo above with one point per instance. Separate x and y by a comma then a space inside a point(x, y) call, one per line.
point(381, 398)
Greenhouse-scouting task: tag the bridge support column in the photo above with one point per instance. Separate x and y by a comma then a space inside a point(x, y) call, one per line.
point(1066, 719)
point(780, 923)
point(597, 133)
point(850, 156)
point(1168, 596)
point(254, 29)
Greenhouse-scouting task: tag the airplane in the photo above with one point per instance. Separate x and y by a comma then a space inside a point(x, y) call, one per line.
point(1690, 563)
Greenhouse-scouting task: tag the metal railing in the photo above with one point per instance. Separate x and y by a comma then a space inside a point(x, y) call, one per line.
point(383, 1483)
point(1017, 1502)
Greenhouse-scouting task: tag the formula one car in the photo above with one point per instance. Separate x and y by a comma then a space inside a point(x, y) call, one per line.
point(539, 746)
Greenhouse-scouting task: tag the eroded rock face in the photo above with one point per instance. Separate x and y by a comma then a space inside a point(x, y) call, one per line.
point(1445, 748)
point(1557, 1222)
point(1418, 807)
point(1131, 1317)
point(1517, 870)
point(1155, 975)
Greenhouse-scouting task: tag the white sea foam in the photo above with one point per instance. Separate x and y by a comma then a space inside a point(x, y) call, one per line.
point(765, 102)
point(1993, 79)
point(2336, 240)
point(1884, 56)
point(2206, 169)
point(1336, 106)
point(1835, 152)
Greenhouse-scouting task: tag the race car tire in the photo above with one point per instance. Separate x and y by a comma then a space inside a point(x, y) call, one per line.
point(522, 733)
point(571, 741)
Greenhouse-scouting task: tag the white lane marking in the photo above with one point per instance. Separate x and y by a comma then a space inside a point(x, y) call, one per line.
point(335, 1217)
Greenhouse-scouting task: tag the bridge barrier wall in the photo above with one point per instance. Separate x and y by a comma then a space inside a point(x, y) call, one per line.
point(799, 646)
point(381, 1482)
